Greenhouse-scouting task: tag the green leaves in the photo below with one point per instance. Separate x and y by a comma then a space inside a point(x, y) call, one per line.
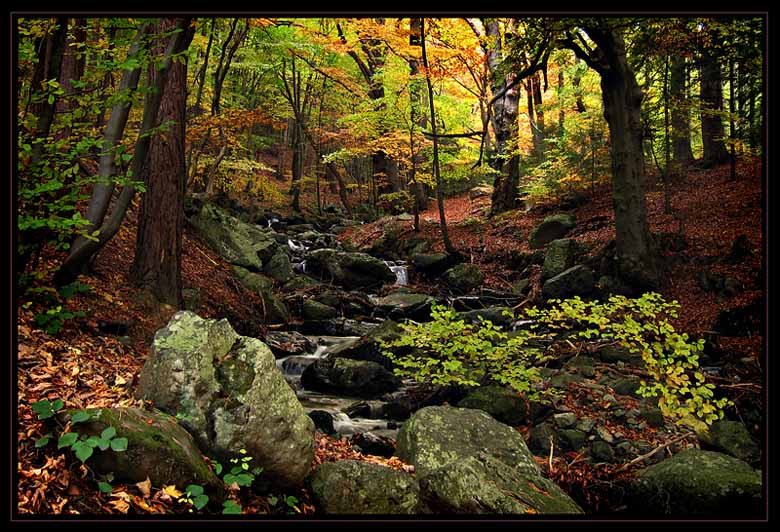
point(194, 494)
point(67, 439)
point(231, 508)
point(80, 417)
point(46, 409)
point(119, 444)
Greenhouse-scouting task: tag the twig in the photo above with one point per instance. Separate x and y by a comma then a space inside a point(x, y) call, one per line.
point(550, 461)
point(204, 254)
point(651, 453)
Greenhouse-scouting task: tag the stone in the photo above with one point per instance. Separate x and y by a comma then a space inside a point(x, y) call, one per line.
point(585, 424)
point(463, 277)
point(158, 448)
point(368, 347)
point(279, 267)
point(504, 404)
point(239, 243)
point(403, 304)
point(601, 451)
point(559, 257)
point(564, 420)
point(484, 485)
point(731, 437)
point(521, 286)
point(323, 421)
point(371, 443)
point(572, 439)
point(353, 270)
point(191, 297)
point(480, 191)
point(431, 263)
point(314, 310)
point(651, 414)
point(352, 487)
point(695, 482)
point(540, 437)
point(576, 281)
point(626, 386)
point(354, 378)
point(552, 228)
point(275, 311)
point(603, 433)
point(286, 343)
point(494, 315)
point(231, 396)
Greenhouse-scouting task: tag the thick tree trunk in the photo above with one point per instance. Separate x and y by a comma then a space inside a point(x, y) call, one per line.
point(711, 110)
point(682, 155)
point(505, 127)
point(72, 70)
point(418, 118)
point(157, 263)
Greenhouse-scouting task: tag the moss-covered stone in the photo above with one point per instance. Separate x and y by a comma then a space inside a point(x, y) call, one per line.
point(352, 487)
point(482, 484)
point(552, 228)
point(314, 310)
point(698, 483)
point(158, 448)
point(731, 437)
point(463, 277)
point(355, 378)
point(279, 267)
point(275, 310)
point(368, 347)
point(353, 270)
point(504, 404)
point(559, 257)
point(576, 281)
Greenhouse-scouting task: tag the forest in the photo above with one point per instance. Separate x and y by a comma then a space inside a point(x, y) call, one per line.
point(413, 267)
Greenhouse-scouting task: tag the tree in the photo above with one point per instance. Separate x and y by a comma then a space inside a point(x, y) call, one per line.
point(80, 256)
point(157, 262)
point(636, 263)
point(682, 155)
point(711, 103)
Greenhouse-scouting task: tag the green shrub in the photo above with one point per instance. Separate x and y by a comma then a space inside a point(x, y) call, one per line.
point(396, 202)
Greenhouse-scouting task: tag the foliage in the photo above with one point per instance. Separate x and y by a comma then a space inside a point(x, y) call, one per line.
point(450, 351)
point(51, 314)
point(642, 326)
point(396, 202)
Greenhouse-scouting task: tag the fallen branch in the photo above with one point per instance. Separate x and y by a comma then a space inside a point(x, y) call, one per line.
point(651, 453)
point(204, 254)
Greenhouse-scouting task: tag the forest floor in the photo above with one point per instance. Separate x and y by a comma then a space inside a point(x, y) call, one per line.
point(86, 366)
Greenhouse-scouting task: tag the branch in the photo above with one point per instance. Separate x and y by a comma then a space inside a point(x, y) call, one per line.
point(453, 135)
point(569, 43)
point(536, 64)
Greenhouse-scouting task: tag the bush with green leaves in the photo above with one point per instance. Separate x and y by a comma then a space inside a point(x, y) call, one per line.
point(396, 202)
point(450, 351)
point(642, 326)
point(49, 303)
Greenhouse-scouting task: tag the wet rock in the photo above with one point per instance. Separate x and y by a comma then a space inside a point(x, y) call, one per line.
point(731, 437)
point(354, 270)
point(403, 304)
point(323, 421)
point(504, 404)
point(577, 280)
point(698, 483)
point(463, 277)
point(231, 395)
point(370, 443)
point(355, 378)
point(286, 343)
point(552, 228)
point(368, 347)
point(314, 310)
point(352, 487)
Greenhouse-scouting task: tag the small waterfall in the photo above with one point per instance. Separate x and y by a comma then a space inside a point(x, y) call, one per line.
point(296, 247)
point(272, 221)
point(401, 271)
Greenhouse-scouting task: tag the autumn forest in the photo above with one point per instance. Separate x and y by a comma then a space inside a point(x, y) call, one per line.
point(294, 268)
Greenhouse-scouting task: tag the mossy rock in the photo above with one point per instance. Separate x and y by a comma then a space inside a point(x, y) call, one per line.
point(576, 281)
point(353, 270)
point(279, 267)
point(354, 378)
point(158, 448)
point(361, 488)
point(275, 310)
point(698, 483)
point(559, 257)
point(552, 228)
point(314, 310)
point(504, 404)
point(731, 437)
point(463, 277)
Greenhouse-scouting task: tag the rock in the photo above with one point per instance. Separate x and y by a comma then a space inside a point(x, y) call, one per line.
point(438, 435)
point(482, 484)
point(603, 433)
point(338, 327)
point(354, 270)
point(286, 343)
point(575, 281)
point(323, 421)
point(352, 487)
point(480, 191)
point(402, 304)
point(231, 394)
point(368, 409)
point(572, 439)
point(698, 483)
point(158, 448)
point(539, 441)
point(559, 258)
point(354, 378)
point(275, 310)
point(463, 277)
point(565, 420)
point(191, 298)
point(493, 314)
point(651, 414)
point(612, 354)
point(585, 424)
point(237, 242)
point(552, 228)
point(370, 443)
point(626, 386)
point(741, 249)
point(279, 267)
point(521, 286)
point(601, 451)
point(731, 437)
point(314, 310)
point(368, 346)
point(504, 404)
point(742, 320)
point(298, 282)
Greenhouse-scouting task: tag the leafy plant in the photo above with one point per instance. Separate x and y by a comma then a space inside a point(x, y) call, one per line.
point(231, 507)
point(450, 351)
point(194, 495)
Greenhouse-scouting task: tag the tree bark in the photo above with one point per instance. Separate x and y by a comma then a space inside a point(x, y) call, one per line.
point(198, 109)
point(682, 155)
point(537, 125)
point(711, 110)
point(157, 263)
point(73, 265)
point(72, 70)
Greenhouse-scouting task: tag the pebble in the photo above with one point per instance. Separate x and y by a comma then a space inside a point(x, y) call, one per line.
point(604, 434)
point(565, 419)
point(585, 424)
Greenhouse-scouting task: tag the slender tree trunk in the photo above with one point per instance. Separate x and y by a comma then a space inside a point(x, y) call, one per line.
point(439, 195)
point(72, 70)
point(204, 69)
point(575, 81)
point(73, 265)
point(561, 111)
point(297, 167)
point(732, 127)
point(537, 127)
point(417, 119)
point(667, 142)
point(157, 263)
point(682, 155)
point(711, 110)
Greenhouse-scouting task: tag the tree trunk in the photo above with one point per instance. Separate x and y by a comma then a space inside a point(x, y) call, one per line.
point(505, 127)
point(682, 155)
point(297, 167)
point(198, 109)
point(537, 126)
point(72, 70)
point(73, 265)
point(157, 263)
point(417, 119)
point(732, 126)
point(575, 80)
point(711, 110)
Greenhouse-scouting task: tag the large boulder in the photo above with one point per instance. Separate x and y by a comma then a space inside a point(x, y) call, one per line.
point(504, 404)
point(230, 395)
point(559, 258)
point(274, 310)
point(237, 242)
point(463, 277)
point(731, 437)
point(314, 310)
point(353, 270)
point(467, 462)
point(482, 484)
point(575, 281)
point(552, 228)
point(352, 487)
point(404, 304)
point(431, 263)
point(354, 378)
point(158, 448)
point(698, 483)
point(286, 343)
point(368, 346)
point(279, 267)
